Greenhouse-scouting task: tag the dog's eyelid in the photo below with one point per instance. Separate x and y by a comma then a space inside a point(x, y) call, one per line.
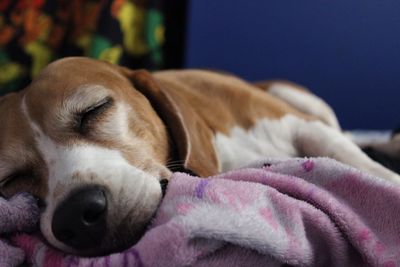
point(15, 175)
point(4, 181)
point(6, 178)
point(84, 117)
point(104, 101)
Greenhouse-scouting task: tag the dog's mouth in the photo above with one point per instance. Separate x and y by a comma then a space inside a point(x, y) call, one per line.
point(164, 185)
point(128, 242)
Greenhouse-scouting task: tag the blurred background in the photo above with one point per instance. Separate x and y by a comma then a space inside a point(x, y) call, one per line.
point(347, 52)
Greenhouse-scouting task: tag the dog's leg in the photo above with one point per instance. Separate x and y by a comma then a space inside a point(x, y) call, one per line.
point(313, 138)
point(302, 99)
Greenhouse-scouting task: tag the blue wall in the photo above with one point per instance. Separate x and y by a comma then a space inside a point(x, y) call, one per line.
point(348, 52)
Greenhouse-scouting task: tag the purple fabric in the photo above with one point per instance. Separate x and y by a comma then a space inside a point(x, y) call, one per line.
point(299, 212)
point(20, 213)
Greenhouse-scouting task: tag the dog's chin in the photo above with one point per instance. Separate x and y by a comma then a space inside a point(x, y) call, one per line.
point(115, 244)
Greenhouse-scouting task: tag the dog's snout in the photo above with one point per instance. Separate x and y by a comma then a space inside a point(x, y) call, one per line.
point(80, 221)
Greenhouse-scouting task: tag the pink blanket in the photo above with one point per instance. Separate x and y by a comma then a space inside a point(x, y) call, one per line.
point(297, 212)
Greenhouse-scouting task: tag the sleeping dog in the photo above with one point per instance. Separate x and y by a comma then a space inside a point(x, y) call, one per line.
point(94, 142)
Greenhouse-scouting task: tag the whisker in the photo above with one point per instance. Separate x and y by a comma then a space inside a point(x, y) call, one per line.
point(175, 161)
point(174, 165)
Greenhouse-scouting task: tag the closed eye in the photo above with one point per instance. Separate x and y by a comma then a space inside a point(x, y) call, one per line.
point(16, 176)
point(21, 181)
point(85, 118)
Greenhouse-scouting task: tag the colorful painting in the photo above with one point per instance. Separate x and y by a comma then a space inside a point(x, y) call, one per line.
point(35, 32)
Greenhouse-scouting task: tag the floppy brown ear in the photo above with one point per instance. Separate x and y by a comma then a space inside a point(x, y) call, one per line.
point(190, 134)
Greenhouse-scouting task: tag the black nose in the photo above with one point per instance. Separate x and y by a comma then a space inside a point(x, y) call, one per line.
point(80, 220)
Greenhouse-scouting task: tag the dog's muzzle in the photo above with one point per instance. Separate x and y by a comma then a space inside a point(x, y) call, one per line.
point(80, 220)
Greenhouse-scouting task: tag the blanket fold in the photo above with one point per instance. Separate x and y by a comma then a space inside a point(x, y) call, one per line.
point(298, 212)
point(20, 213)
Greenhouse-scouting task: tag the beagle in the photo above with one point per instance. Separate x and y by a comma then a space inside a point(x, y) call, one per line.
point(94, 142)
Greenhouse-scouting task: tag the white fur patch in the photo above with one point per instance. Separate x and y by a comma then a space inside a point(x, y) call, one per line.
point(268, 138)
point(291, 136)
point(115, 125)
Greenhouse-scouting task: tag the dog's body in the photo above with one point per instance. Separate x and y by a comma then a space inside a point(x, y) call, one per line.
point(102, 136)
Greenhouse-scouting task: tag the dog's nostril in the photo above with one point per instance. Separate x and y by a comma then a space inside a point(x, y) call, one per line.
point(80, 220)
point(93, 212)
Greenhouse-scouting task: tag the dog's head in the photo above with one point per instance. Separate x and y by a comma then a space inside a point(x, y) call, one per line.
point(92, 142)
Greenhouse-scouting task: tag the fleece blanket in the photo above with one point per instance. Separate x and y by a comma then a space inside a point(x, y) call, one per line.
point(20, 213)
point(296, 212)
